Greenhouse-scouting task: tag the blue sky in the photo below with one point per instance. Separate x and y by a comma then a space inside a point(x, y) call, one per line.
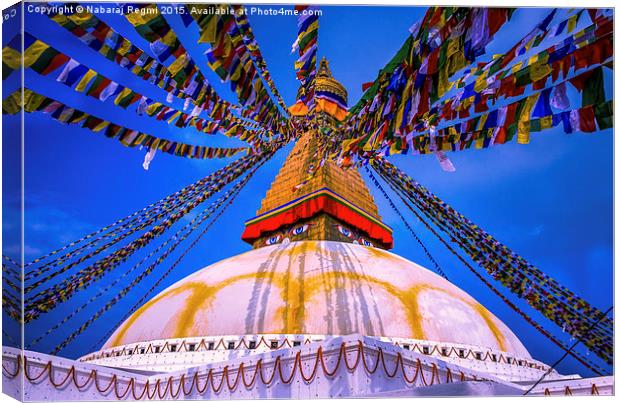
point(551, 201)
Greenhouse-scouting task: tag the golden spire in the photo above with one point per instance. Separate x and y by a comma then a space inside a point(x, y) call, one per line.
point(326, 82)
point(312, 198)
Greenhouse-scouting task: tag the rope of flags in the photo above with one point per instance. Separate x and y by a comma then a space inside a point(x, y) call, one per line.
point(163, 276)
point(430, 257)
point(34, 102)
point(447, 41)
point(588, 47)
point(306, 45)
point(531, 114)
point(579, 357)
point(85, 80)
point(46, 299)
point(540, 291)
point(394, 127)
point(100, 37)
point(444, 42)
point(181, 79)
point(231, 60)
point(530, 41)
point(250, 43)
point(221, 203)
point(11, 274)
point(153, 214)
point(12, 269)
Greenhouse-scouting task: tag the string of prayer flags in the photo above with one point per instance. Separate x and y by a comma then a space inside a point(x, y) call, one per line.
point(231, 60)
point(45, 300)
point(305, 67)
point(449, 39)
point(249, 40)
point(102, 88)
point(540, 291)
point(37, 56)
point(100, 37)
point(34, 102)
point(585, 48)
point(399, 106)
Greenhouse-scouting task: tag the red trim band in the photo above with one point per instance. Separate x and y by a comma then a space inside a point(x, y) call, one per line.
point(319, 204)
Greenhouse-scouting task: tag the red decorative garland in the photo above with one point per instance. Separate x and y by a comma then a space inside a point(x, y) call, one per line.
point(225, 378)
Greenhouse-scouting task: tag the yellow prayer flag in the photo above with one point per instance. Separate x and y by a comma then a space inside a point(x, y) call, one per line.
point(101, 126)
point(34, 51)
point(176, 115)
point(144, 16)
point(517, 67)
point(479, 143)
point(539, 71)
point(395, 148)
point(572, 23)
point(60, 19)
point(481, 83)
point(80, 18)
point(454, 46)
point(529, 44)
point(523, 126)
point(124, 48)
point(443, 84)
point(90, 74)
point(32, 101)
point(12, 104)
point(126, 91)
point(152, 108)
point(169, 39)
point(311, 28)
point(208, 30)
point(546, 122)
point(178, 64)
point(12, 58)
point(482, 121)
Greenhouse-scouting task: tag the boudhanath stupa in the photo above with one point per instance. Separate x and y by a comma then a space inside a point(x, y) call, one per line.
point(318, 308)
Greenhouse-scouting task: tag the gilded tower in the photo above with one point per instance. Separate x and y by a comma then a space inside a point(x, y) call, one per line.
point(312, 198)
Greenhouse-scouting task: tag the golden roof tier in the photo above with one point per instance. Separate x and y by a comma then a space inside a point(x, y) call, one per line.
point(325, 82)
point(312, 199)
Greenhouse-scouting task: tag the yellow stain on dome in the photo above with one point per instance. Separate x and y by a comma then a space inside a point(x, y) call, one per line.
point(296, 290)
point(490, 321)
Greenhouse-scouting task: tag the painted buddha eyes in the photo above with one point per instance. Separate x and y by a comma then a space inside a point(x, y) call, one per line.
point(349, 234)
point(344, 231)
point(300, 229)
point(274, 239)
point(366, 242)
point(280, 238)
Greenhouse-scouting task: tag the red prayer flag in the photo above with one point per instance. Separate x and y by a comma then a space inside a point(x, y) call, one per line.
point(56, 62)
point(586, 119)
point(367, 85)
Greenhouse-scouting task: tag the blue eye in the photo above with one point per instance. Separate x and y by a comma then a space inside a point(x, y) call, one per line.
point(299, 230)
point(273, 240)
point(344, 231)
point(367, 243)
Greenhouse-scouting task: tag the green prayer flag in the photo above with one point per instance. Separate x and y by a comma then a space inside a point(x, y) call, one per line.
point(594, 88)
